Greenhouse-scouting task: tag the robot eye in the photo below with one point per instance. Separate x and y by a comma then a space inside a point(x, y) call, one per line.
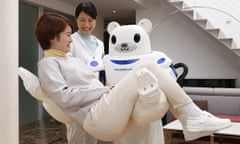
point(137, 37)
point(113, 39)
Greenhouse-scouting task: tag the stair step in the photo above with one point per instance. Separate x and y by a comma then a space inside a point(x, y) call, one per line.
point(227, 42)
point(237, 51)
point(189, 13)
point(177, 4)
point(204, 23)
point(201, 22)
point(214, 32)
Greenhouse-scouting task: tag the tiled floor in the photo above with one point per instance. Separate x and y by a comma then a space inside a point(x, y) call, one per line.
point(46, 131)
point(49, 131)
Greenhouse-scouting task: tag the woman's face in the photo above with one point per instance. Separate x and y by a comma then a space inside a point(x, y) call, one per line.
point(62, 42)
point(86, 24)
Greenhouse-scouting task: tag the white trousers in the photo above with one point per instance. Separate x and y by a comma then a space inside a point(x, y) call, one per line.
point(76, 135)
point(147, 134)
point(110, 118)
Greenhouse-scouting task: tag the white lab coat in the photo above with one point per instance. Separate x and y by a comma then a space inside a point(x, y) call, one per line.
point(80, 49)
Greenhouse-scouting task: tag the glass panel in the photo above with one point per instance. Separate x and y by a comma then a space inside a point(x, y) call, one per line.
point(28, 57)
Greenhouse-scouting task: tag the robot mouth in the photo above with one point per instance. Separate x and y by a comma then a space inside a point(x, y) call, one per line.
point(124, 62)
point(125, 47)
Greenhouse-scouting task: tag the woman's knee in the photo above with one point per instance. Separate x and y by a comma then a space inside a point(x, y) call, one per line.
point(104, 134)
point(103, 130)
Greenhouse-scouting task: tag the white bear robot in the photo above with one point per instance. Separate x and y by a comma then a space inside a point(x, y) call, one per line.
point(130, 45)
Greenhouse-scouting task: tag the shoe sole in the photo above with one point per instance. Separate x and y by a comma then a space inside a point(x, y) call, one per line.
point(193, 136)
point(206, 132)
point(208, 128)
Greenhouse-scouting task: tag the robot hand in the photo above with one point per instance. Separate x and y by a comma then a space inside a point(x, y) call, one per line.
point(152, 103)
point(147, 83)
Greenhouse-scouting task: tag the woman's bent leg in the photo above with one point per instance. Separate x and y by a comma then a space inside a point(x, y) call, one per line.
point(76, 135)
point(196, 123)
point(108, 119)
point(175, 94)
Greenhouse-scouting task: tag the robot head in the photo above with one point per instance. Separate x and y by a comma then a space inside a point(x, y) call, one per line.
point(129, 39)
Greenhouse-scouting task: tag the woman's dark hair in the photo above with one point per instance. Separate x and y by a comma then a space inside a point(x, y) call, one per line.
point(86, 7)
point(48, 26)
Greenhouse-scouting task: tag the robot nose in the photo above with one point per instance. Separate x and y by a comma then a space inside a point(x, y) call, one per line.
point(124, 45)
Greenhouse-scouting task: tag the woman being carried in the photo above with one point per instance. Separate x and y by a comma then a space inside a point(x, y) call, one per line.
point(102, 112)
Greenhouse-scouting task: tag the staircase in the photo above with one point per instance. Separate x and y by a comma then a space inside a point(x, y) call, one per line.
point(220, 18)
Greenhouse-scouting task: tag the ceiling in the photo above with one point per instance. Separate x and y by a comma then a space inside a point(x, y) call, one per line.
point(125, 9)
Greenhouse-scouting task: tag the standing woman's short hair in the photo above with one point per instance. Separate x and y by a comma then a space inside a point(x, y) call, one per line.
point(48, 26)
point(86, 7)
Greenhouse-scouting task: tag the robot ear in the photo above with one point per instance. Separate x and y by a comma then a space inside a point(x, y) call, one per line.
point(146, 24)
point(111, 26)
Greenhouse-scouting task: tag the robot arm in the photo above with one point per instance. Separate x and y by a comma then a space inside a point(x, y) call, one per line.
point(152, 103)
point(147, 83)
point(165, 62)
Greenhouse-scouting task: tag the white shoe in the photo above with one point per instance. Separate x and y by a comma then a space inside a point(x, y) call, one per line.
point(204, 125)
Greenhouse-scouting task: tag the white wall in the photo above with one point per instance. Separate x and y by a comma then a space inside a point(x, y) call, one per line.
point(184, 41)
point(226, 104)
point(99, 30)
point(8, 73)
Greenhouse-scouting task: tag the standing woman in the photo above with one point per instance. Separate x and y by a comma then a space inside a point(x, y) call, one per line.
point(91, 50)
point(85, 45)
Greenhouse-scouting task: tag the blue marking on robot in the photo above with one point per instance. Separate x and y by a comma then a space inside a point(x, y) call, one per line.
point(174, 70)
point(125, 62)
point(94, 63)
point(161, 60)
